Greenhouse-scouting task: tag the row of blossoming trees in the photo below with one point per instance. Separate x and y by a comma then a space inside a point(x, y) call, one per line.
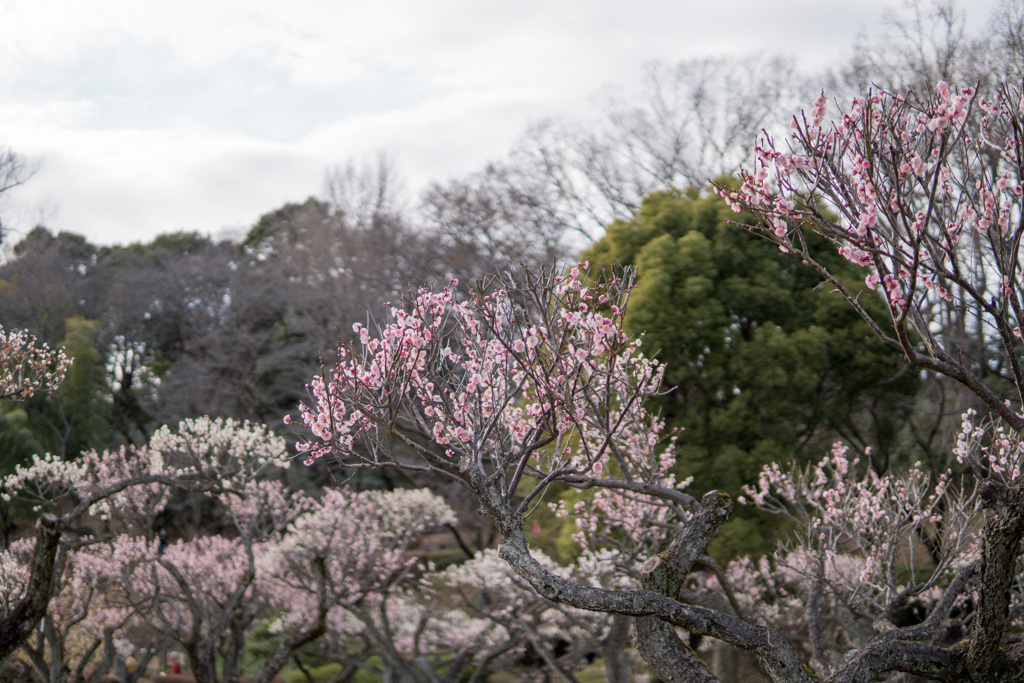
point(333, 569)
point(531, 384)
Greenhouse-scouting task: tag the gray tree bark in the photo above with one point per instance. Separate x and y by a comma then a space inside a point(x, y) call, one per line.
point(18, 625)
point(616, 651)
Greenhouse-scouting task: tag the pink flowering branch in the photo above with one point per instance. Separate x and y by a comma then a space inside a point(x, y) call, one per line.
point(929, 207)
point(858, 554)
point(532, 382)
point(202, 592)
point(26, 366)
point(500, 611)
point(79, 623)
point(222, 456)
point(348, 554)
point(926, 195)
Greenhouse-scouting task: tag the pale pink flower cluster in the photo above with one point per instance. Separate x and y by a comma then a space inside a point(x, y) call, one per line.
point(230, 450)
point(838, 509)
point(507, 609)
point(14, 574)
point(488, 378)
point(360, 539)
point(261, 509)
point(26, 366)
point(629, 525)
point(989, 447)
point(83, 604)
point(48, 480)
point(884, 165)
point(103, 583)
point(80, 610)
point(187, 586)
point(139, 502)
point(777, 589)
point(866, 543)
point(46, 474)
point(197, 591)
point(421, 624)
point(221, 452)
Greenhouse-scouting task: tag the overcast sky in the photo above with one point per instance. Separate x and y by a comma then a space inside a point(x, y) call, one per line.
point(150, 117)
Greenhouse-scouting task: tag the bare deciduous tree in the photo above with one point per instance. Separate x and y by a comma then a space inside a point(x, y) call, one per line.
point(692, 122)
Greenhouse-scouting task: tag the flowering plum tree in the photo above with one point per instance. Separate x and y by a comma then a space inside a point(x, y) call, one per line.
point(389, 616)
point(78, 640)
point(530, 383)
point(347, 561)
point(874, 560)
point(199, 593)
point(202, 592)
point(130, 483)
point(930, 207)
point(26, 366)
point(465, 623)
point(301, 564)
point(509, 620)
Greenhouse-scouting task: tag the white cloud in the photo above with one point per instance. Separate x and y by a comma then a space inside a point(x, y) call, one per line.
point(165, 115)
point(127, 185)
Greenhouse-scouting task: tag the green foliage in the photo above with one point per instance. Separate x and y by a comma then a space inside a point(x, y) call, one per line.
point(85, 386)
point(172, 245)
point(17, 443)
point(324, 672)
point(75, 418)
point(367, 676)
point(73, 247)
point(278, 224)
point(764, 364)
point(260, 642)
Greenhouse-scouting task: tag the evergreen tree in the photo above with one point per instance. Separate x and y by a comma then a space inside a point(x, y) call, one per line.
point(75, 418)
point(764, 365)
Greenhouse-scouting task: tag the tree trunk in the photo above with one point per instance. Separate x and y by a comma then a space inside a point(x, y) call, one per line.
point(616, 650)
point(657, 640)
point(19, 624)
point(1001, 544)
point(202, 664)
point(725, 660)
